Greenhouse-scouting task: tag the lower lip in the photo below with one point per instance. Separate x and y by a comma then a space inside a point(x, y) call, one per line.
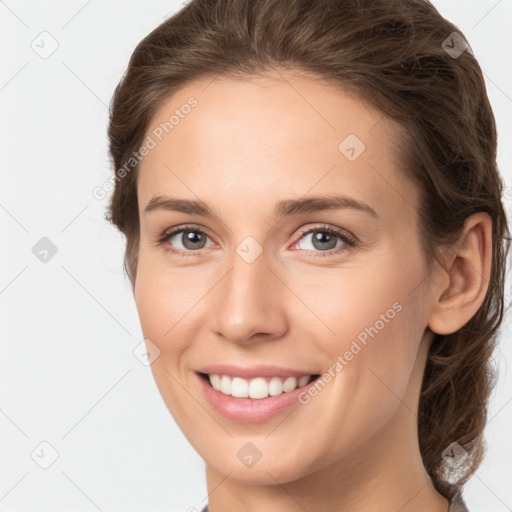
point(251, 410)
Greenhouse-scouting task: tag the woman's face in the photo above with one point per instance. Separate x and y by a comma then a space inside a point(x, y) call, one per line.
point(261, 282)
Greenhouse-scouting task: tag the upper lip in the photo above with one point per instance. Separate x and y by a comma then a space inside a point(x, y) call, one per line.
point(249, 372)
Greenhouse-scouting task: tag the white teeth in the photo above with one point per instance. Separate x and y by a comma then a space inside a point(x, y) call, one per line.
point(258, 388)
point(275, 386)
point(225, 384)
point(255, 388)
point(215, 382)
point(239, 387)
point(290, 384)
point(303, 381)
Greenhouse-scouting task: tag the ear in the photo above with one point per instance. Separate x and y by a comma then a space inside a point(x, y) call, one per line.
point(468, 272)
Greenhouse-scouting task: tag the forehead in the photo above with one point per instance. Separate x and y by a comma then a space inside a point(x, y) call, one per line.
point(267, 138)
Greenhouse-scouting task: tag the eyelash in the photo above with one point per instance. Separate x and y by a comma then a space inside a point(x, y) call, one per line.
point(348, 239)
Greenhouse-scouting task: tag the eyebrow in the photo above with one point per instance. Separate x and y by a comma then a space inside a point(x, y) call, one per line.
point(284, 208)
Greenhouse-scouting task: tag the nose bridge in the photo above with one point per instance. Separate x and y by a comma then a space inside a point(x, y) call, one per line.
point(248, 300)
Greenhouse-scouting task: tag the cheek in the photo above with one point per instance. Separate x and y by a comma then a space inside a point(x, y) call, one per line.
point(162, 299)
point(370, 367)
point(173, 304)
point(164, 302)
point(376, 321)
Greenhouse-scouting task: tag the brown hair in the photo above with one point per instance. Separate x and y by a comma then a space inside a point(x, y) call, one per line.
point(395, 55)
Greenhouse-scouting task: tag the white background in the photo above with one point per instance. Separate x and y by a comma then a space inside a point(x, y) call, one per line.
point(68, 375)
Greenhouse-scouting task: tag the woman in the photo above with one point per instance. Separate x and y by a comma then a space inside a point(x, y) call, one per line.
point(316, 244)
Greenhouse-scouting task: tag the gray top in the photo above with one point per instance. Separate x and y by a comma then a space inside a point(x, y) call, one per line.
point(456, 505)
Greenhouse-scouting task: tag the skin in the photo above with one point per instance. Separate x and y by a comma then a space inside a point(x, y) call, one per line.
point(247, 145)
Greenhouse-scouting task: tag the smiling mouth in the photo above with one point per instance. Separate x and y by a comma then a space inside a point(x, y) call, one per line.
point(258, 387)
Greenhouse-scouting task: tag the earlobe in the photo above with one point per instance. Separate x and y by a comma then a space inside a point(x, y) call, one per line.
point(469, 270)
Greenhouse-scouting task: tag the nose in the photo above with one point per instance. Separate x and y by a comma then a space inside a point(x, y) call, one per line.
point(250, 302)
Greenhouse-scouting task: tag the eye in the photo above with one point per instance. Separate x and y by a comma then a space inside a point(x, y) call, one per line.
point(326, 239)
point(192, 239)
